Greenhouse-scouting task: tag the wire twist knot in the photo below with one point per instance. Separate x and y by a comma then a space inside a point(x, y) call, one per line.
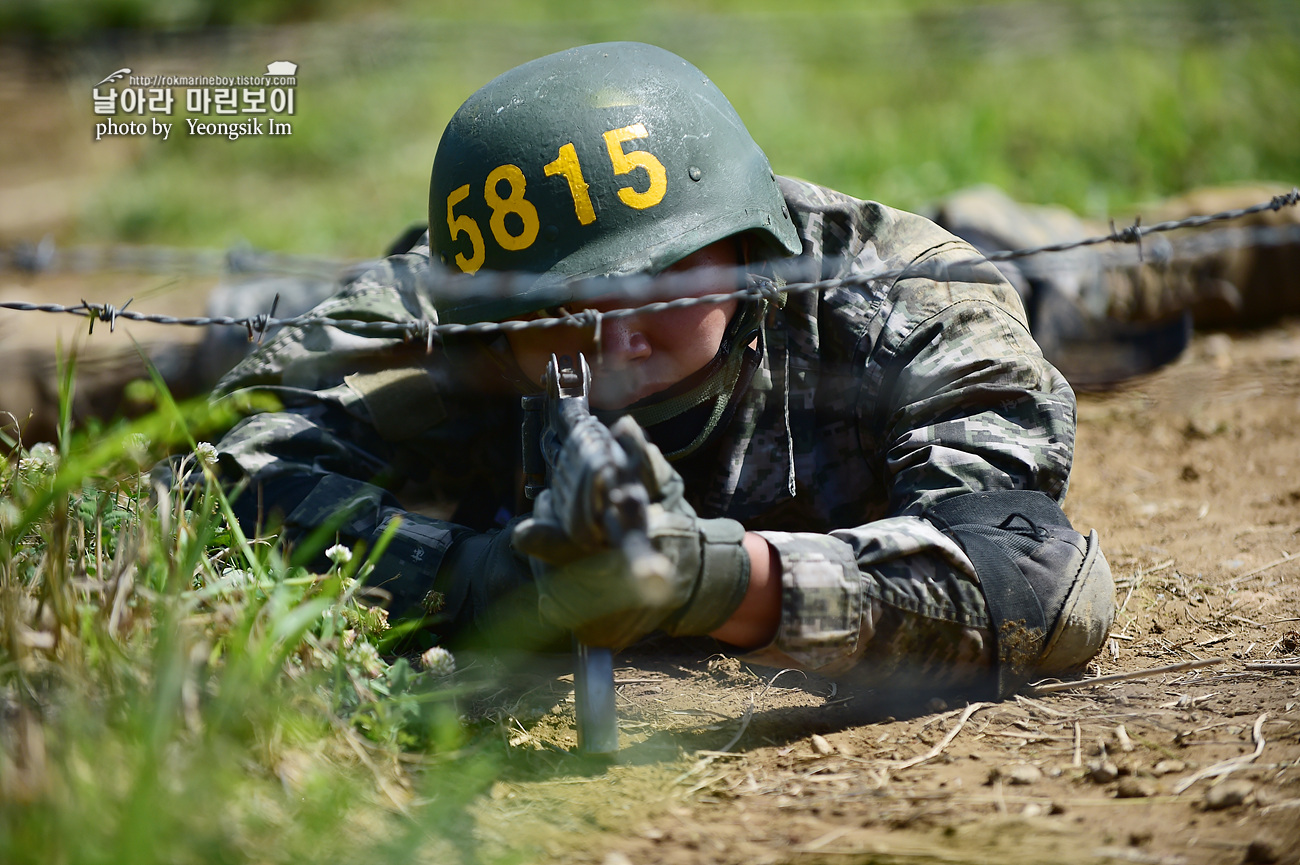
point(259, 323)
point(1286, 199)
point(766, 289)
point(1131, 234)
point(104, 312)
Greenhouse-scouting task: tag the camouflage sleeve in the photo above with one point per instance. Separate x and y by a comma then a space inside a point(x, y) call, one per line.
point(353, 428)
point(955, 397)
point(893, 602)
point(307, 473)
point(964, 399)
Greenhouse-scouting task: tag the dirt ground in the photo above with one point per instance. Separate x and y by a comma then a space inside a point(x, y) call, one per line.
point(1192, 479)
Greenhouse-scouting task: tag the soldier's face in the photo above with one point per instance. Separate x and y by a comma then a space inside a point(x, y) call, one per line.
point(641, 355)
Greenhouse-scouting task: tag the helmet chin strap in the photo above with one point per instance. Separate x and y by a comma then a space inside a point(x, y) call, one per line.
point(718, 385)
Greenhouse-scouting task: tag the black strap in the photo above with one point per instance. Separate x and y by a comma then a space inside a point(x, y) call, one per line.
point(994, 508)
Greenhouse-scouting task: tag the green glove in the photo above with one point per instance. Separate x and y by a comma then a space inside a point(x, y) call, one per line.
point(593, 590)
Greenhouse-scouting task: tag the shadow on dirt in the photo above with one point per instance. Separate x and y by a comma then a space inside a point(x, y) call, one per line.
point(677, 699)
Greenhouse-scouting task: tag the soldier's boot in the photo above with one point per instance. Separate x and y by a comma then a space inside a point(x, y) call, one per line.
point(1049, 590)
point(1095, 353)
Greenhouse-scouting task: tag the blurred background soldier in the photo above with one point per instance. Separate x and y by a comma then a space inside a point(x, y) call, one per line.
point(1104, 314)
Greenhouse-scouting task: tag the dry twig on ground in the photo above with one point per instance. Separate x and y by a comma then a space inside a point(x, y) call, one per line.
point(1052, 687)
point(1232, 764)
point(944, 742)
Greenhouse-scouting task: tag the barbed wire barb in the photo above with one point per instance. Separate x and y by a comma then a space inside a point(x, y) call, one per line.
point(104, 312)
point(1286, 199)
point(1132, 234)
point(259, 323)
point(1277, 202)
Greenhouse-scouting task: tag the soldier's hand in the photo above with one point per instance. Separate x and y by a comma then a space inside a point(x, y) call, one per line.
point(594, 460)
point(663, 484)
point(483, 579)
point(566, 524)
point(596, 593)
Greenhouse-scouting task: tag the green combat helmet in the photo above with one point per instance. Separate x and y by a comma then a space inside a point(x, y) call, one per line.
point(602, 160)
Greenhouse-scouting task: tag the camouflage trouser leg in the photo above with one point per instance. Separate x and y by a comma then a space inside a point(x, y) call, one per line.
point(1244, 272)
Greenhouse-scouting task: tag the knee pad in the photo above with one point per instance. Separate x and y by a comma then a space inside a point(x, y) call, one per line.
point(1049, 590)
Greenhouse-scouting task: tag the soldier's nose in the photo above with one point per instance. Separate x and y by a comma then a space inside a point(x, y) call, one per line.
point(623, 341)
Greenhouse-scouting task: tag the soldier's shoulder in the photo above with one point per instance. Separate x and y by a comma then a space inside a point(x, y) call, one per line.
point(393, 288)
point(394, 284)
point(842, 227)
point(901, 266)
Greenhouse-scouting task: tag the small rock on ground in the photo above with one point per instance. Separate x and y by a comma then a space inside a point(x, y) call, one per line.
point(1228, 794)
point(1021, 774)
point(1169, 767)
point(1134, 788)
point(1263, 852)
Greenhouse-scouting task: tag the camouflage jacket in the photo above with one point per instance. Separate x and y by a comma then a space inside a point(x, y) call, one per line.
point(866, 405)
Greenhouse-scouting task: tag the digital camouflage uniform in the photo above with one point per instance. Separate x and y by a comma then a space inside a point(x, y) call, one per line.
point(863, 408)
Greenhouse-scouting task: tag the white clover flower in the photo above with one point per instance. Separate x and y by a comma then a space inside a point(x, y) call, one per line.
point(239, 579)
point(438, 661)
point(206, 454)
point(136, 446)
point(45, 451)
point(367, 656)
point(339, 554)
point(41, 458)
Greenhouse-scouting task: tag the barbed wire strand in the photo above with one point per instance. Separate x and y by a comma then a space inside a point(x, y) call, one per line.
point(426, 331)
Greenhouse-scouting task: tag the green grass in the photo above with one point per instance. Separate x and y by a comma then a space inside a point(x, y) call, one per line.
point(1095, 106)
point(172, 691)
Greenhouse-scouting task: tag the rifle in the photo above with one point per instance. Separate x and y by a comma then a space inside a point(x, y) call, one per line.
point(610, 510)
